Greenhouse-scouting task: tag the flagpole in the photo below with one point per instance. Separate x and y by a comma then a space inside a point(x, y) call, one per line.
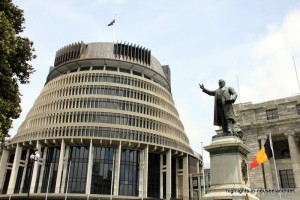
point(296, 74)
point(271, 145)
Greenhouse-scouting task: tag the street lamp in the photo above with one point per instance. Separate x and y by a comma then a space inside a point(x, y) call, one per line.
point(33, 157)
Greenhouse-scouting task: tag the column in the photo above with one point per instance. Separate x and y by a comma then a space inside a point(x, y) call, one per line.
point(146, 164)
point(89, 169)
point(3, 164)
point(294, 151)
point(26, 163)
point(191, 189)
point(66, 166)
point(199, 188)
point(60, 166)
point(14, 170)
point(266, 165)
point(143, 178)
point(185, 178)
point(43, 164)
point(35, 168)
point(117, 158)
point(162, 170)
point(168, 174)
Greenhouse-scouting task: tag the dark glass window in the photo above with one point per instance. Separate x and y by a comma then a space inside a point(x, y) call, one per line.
point(281, 149)
point(85, 68)
point(154, 175)
point(287, 178)
point(192, 165)
point(125, 70)
point(102, 170)
point(164, 185)
point(173, 178)
point(111, 68)
point(28, 173)
point(136, 73)
point(298, 109)
point(272, 114)
point(129, 171)
point(23, 155)
point(78, 163)
point(50, 170)
point(147, 77)
point(180, 163)
point(11, 158)
point(19, 179)
point(73, 70)
point(6, 181)
point(98, 67)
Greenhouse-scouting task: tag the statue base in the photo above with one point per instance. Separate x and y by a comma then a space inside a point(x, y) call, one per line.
point(229, 169)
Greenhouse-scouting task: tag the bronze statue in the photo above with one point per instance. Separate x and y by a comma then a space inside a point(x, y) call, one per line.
point(223, 112)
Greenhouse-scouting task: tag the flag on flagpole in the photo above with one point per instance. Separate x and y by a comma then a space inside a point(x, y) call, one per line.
point(111, 23)
point(263, 155)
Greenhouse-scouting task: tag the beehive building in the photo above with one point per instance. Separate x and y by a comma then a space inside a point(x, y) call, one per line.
point(105, 126)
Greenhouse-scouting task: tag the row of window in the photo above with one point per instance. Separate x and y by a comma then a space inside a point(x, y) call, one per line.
point(107, 90)
point(111, 78)
point(103, 117)
point(273, 113)
point(75, 171)
point(113, 133)
point(108, 104)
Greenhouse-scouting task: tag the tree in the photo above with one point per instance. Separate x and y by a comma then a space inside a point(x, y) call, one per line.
point(15, 53)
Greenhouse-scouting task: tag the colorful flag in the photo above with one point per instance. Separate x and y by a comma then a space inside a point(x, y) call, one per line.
point(111, 23)
point(263, 155)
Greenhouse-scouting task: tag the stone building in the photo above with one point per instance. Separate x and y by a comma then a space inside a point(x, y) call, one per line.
point(105, 126)
point(281, 119)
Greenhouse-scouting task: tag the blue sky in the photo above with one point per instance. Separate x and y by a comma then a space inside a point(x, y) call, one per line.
point(201, 40)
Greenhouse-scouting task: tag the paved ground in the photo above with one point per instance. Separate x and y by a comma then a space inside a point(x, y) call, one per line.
point(285, 195)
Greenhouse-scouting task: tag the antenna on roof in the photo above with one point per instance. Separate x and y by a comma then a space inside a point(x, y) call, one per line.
point(296, 74)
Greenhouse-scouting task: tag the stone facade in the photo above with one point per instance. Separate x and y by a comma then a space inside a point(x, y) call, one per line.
point(281, 119)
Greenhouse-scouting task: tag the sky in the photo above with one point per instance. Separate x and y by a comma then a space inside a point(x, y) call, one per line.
point(249, 44)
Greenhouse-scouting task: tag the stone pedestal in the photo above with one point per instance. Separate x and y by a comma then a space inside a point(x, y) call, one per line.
point(229, 170)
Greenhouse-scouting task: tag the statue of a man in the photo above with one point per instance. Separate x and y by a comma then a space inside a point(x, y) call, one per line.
point(223, 112)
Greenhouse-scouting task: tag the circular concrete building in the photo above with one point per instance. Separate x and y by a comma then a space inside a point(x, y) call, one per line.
point(106, 127)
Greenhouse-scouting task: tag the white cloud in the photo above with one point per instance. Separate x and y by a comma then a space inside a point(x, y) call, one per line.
point(274, 75)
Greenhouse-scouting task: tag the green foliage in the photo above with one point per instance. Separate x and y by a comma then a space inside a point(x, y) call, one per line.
point(15, 53)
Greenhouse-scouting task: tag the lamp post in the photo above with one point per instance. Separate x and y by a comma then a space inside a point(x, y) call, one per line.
point(33, 157)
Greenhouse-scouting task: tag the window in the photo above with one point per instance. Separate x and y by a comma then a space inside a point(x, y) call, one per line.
point(73, 70)
point(78, 169)
point(102, 170)
point(129, 173)
point(287, 178)
point(136, 73)
point(298, 109)
point(272, 114)
point(153, 175)
point(125, 70)
point(50, 170)
point(97, 68)
point(85, 68)
point(111, 68)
